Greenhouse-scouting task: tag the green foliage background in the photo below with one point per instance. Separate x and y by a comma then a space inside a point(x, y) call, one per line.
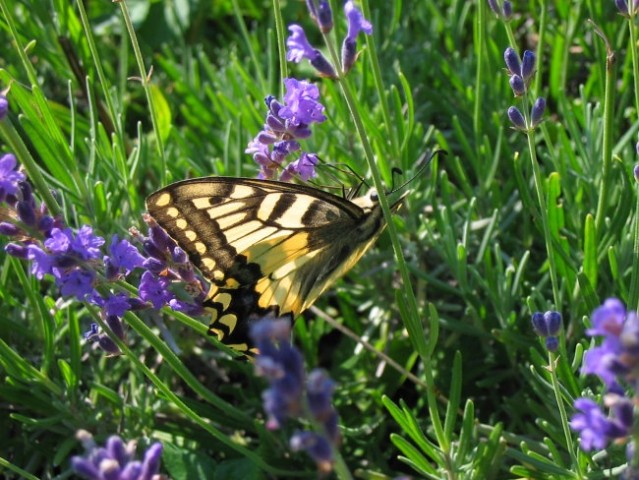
point(104, 131)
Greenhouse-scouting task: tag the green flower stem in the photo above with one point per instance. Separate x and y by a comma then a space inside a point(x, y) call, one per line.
point(379, 86)
point(479, 73)
point(552, 364)
point(511, 37)
point(633, 294)
point(412, 321)
point(632, 28)
point(281, 42)
point(340, 468)
point(543, 215)
point(606, 150)
point(416, 334)
point(146, 81)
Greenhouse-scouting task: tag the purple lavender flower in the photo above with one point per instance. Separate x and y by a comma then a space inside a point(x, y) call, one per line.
point(547, 325)
point(512, 61)
point(520, 71)
point(528, 66)
point(41, 262)
point(299, 48)
point(59, 241)
point(115, 461)
point(72, 257)
point(108, 345)
point(517, 84)
point(595, 428)
point(622, 6)
point(517, 119)
point(616, 356)
point(123, 257)
point(86, 244)
point(9, 229)
point(301, 103)
point(537, 112)
point(298, 45)
point(607, 320)
point(317, 447)
point(9, 177)
point(356, 23)
point(321, 12)
point(494, 6)
point(75, 283)
point(635, 172)
point(281, 364)
point(116, 304)
point(155, 290)
point(283, 125)
point(4, 106)
point(507, 10)
point(614, 361)
point(304, 168)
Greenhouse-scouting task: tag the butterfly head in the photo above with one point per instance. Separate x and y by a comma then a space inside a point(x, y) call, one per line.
point(370, 201)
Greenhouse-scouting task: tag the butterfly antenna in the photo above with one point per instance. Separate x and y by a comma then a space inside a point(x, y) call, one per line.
point(422, 163)
point(346, 169)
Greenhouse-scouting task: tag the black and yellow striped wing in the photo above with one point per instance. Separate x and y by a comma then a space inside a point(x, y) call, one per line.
point(266, 246)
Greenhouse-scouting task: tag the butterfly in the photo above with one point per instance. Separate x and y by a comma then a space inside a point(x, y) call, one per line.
point(267, 247)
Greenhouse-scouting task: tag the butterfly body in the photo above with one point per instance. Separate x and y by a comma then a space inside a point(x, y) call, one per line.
point(267, 247)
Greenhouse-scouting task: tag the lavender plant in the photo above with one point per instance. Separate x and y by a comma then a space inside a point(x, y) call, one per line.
point(441, 376)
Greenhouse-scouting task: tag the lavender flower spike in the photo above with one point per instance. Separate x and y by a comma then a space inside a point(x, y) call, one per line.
point(4, 106)
point(513, 63)
point(517, 119)
point(300, 48)
point(321, 12)
point(284, 124)
point(547, 325)
point(507, 9)
point(494, 6)
point(356, 23)
point(537, 111)
point(528, 66)
point(115, 461)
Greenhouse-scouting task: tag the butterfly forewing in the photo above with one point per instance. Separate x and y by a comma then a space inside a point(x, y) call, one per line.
point(266, 246)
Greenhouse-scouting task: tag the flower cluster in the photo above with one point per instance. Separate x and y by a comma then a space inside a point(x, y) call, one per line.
point(615, 363)
point(521, 73)
point(115, 461)
point(547, 325)
point(299, 47)
point(627, 9)
point(284, 124)
point(81, 266)
point(293, 394)
point(504, 11)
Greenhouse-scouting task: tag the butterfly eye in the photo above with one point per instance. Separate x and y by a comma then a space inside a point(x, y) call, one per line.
point(374, 197)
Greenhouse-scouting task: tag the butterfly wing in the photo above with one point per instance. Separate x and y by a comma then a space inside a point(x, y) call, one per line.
point(266, 246)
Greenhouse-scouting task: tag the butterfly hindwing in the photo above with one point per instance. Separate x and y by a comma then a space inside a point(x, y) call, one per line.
point(267, 247)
